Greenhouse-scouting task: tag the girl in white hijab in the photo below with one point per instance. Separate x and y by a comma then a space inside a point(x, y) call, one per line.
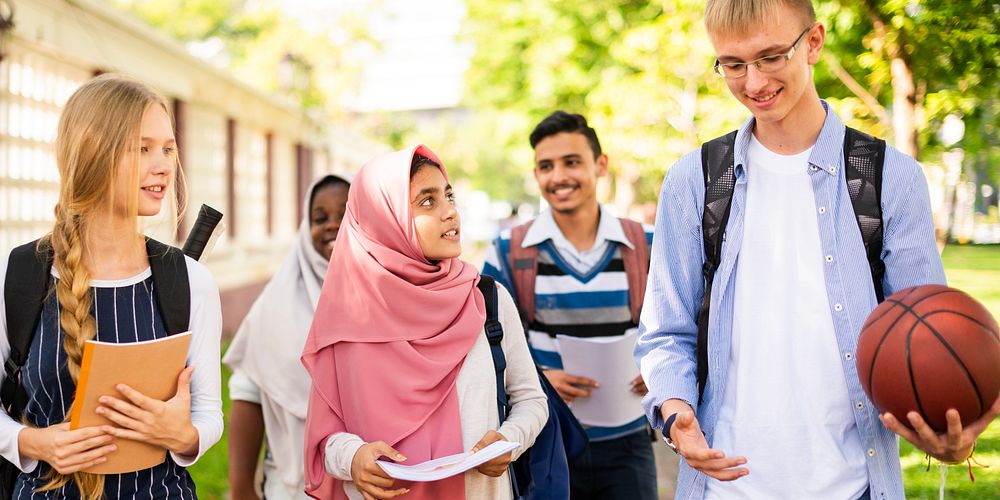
point(270, 387)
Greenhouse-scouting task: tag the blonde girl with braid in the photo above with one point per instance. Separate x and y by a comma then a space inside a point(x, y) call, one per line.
point(117, 160)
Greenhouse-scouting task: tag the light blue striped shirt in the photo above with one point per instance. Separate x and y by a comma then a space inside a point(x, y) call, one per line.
point(668, 331)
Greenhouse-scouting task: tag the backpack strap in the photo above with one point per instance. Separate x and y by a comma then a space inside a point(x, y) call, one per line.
point(494, 333)
point(636, 262)
point(25, 287)
point(864, 157)
point(172, 287)
point(717, 158)
point(523, 264)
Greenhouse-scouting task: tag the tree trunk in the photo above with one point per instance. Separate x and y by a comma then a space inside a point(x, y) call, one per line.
point(904, 105)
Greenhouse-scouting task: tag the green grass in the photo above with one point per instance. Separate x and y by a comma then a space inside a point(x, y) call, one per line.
point(974, 269)
point(211, 472)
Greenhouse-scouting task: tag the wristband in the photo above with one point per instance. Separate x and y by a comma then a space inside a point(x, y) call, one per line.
point(667, 425)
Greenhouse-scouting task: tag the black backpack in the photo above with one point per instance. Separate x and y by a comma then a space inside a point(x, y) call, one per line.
point(26, 286)
point(541, 472)
point(864, 157)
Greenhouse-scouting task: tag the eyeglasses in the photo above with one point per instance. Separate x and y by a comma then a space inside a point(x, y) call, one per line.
point(766, 64)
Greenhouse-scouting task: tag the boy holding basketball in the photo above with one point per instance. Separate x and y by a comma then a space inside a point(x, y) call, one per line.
point(766, 403)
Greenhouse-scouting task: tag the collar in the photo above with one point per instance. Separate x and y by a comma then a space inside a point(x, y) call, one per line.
point(826, 153)
point(545, 228)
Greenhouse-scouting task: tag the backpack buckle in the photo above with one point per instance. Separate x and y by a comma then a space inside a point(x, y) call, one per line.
point(494, 332)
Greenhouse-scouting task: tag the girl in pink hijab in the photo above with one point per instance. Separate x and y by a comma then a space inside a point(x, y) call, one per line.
point(400, 364)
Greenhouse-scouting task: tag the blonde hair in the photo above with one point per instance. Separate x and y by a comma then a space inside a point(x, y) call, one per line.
point(100, 123)
point(740, 16)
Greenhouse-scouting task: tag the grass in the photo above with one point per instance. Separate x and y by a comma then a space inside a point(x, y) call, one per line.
point(974, 269)
point(211, 472)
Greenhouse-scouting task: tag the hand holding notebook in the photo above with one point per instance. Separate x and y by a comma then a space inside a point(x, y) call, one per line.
point(136, 387)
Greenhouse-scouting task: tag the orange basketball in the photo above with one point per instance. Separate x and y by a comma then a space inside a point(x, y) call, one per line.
point(927, 349)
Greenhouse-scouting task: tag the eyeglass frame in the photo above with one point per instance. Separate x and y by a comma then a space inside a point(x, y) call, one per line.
point(788, 55)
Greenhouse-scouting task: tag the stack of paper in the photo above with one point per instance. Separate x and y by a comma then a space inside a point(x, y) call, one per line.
point(609, 361)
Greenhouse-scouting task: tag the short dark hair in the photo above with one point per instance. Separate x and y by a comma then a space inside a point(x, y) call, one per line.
point(560, 122)
point(420, 160)
point(327, 181)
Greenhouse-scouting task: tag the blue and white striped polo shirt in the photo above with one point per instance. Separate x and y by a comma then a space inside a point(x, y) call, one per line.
point(580, 294)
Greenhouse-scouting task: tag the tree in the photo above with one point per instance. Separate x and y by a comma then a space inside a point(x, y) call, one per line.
point(256, 39)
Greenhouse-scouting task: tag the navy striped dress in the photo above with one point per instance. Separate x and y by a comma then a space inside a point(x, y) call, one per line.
point(125, 311)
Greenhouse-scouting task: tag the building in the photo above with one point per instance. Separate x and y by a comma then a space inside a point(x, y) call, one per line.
point(245, 153)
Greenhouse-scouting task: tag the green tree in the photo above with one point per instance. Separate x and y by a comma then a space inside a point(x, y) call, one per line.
point(261, 45)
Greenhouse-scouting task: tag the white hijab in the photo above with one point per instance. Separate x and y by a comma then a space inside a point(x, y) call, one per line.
point(270, 340)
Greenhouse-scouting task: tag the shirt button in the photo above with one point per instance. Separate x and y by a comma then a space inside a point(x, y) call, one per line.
point(838, 307)
point(859, 405)
point(822, 210)
point(829, 258)
point(814, 168)
point(833, 169)
point(848, 356)
point(871, 452)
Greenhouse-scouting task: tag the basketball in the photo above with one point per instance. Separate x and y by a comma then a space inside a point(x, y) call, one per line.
point(927, 349)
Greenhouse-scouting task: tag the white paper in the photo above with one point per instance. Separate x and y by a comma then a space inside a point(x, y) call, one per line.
point(440, 468)
point(609, 361)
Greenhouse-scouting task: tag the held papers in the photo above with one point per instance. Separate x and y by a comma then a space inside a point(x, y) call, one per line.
point(440, 468)
point(608, 360)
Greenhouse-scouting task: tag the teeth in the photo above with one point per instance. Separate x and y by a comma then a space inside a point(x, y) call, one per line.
point(155, 189)
point(767, 97)
point(453, 232)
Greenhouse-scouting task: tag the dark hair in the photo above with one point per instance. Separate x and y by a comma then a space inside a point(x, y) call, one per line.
point(560, 122)
point(325, 182)
point(420, 160)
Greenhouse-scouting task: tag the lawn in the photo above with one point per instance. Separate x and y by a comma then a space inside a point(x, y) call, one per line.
point(975, 269)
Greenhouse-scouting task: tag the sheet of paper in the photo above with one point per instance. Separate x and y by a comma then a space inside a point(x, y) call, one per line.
point(440, 468)
point(609, 361)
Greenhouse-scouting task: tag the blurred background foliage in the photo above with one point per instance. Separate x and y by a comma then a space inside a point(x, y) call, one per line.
point(640, 71)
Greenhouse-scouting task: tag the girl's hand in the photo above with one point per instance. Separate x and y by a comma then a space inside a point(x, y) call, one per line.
point(162, 423)
point(368, 477)
point(64, 450)
point(497, 466)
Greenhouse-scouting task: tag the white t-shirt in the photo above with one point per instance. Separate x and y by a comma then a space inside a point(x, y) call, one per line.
point(786, 407)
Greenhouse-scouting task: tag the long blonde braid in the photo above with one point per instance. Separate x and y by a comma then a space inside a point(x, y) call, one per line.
point(99, 124)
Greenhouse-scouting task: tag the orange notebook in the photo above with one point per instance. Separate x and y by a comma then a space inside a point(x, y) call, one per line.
point(150, 367)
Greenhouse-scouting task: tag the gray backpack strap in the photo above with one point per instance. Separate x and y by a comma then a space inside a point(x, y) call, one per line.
point(864, 157)
point(717, 158)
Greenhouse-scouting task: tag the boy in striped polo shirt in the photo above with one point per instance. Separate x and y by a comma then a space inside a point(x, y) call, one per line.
point(581, 289)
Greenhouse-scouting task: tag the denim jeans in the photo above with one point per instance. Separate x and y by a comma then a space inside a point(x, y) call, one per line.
point(617, 469)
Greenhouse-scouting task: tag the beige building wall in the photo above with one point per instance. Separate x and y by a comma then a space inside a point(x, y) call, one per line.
point(244, 153)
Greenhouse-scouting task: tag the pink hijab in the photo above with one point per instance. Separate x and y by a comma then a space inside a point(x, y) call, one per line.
point(390, 335)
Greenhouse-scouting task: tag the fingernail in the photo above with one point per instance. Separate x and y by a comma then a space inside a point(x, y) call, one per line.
point(103, 399)
point(102, 459)
point(400, 457)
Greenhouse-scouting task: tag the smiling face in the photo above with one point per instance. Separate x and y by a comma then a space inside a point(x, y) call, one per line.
point(773, 97)
point(567, 171)
point(156, 156)
point(325, 216)
point(435, 218)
